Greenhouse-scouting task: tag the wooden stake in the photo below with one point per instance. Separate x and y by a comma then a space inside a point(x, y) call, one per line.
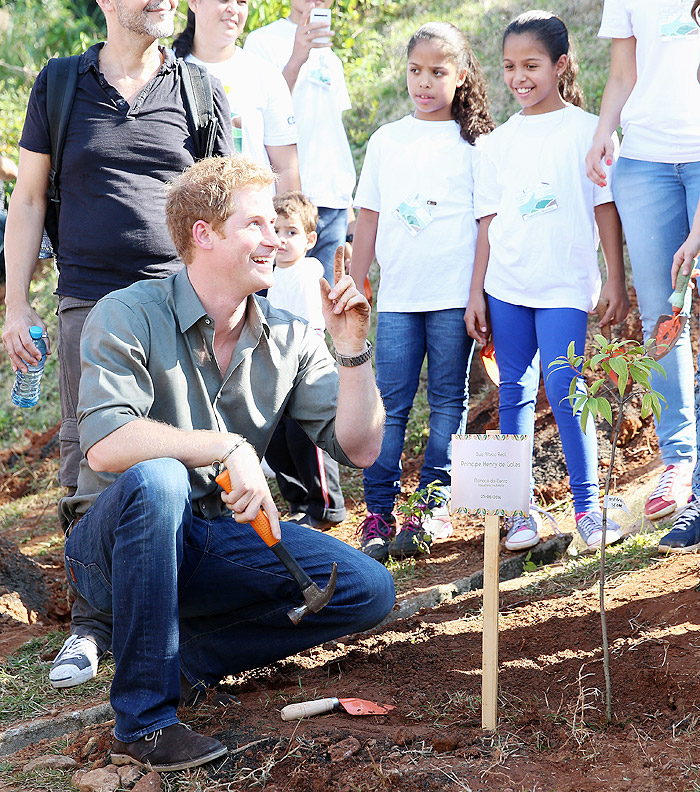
point(489, 662)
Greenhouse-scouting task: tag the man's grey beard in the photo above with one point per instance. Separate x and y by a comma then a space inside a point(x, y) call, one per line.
point(141, 24)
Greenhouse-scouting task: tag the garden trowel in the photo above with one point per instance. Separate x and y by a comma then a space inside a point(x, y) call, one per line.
point(667, 329)
point(354, 706)
point(488, 358)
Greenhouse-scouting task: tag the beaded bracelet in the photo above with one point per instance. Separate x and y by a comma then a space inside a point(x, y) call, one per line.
point(220, 462)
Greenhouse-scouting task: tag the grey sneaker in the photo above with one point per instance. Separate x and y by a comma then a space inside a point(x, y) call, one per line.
point(590, 526)
point(523, 532)
point(75, 663)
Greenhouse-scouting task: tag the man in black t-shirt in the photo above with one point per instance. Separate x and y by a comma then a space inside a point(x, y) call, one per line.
point(127, 136)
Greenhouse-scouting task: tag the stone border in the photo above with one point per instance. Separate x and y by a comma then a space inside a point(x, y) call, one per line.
point(510, 568)
point(31, 732)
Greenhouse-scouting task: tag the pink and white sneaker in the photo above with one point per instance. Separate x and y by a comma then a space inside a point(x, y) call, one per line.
point(672, 491)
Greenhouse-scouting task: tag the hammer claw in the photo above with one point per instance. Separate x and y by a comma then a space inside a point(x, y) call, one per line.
point(315, 598)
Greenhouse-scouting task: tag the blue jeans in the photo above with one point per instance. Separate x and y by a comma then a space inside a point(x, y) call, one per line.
point(205, 597)
point(403, 340)
point(656, 202)
point(332, 229)
point(521, 338)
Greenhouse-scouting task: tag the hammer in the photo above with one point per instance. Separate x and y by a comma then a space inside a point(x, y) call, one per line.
point(315, 598)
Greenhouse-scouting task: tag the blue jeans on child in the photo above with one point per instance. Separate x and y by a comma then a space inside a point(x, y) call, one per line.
point(403, 340)
point(656, 202)
point(205, 597)
point(523, 337)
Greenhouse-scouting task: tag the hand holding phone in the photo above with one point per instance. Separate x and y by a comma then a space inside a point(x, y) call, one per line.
point(321, 15)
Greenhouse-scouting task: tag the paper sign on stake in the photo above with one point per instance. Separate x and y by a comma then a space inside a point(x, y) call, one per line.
point(491, 474)
point(615, 502)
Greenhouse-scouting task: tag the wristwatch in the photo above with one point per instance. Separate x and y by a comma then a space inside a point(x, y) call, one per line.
point(349, 238)
point(357, 360)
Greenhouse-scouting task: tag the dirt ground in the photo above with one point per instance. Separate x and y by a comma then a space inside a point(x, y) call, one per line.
point(551, 733)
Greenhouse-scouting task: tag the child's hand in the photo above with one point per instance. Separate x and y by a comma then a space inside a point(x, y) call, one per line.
point(475, 318)
point(601, 150)
point(614, 296)
point(684, 256)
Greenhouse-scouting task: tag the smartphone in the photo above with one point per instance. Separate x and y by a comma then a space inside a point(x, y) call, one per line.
point(321, 15)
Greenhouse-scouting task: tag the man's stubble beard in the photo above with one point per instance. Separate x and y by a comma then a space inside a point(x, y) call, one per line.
point(140, 23)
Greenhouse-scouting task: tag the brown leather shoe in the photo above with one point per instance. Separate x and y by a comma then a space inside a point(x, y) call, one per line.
point(175, 747)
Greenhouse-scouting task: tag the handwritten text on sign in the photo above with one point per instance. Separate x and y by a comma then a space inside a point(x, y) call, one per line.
point(491, 473)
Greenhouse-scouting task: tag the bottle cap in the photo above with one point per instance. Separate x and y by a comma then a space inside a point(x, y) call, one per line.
point(36, 332)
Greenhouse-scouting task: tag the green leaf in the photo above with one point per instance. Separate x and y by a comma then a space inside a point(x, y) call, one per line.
point(596, 386)
point(578, 403)
point(618, 365)
point(605, 409)
point(571, 351)
point(658, 367)
point(646, 405)
point(584, 417)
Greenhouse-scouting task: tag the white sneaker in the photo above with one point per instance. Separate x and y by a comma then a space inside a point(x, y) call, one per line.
point(75, 663)
point(439, 524)
point(590, 526)
point(523, 532)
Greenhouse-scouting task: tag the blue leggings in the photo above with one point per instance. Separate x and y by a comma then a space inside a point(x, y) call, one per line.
point(522, 337)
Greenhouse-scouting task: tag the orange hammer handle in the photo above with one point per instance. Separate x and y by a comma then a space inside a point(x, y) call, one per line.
point(260, 523)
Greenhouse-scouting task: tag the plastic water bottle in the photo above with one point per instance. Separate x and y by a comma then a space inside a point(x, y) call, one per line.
point(27, 387)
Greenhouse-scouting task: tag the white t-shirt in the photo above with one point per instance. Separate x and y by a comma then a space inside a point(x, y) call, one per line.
point(296, 289)
point(320, 96)
point(549, 258)
point(259, 94)
point(661, 118)
point(425, 170)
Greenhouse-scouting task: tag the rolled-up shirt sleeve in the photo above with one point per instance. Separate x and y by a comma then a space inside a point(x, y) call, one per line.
point(115, 384)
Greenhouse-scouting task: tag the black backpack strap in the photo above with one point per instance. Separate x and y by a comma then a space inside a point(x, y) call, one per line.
point(61, 81)
point(199, 106)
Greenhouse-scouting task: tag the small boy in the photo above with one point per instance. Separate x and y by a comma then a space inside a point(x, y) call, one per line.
point(308, 478)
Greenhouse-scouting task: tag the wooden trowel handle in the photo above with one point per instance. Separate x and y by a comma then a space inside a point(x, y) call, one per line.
point(305, 709)
point(260, 523)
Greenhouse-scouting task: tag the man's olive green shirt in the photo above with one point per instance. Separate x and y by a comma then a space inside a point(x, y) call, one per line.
point(148, 352)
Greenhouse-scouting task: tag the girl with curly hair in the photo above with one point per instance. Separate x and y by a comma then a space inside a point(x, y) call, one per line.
point(416, 214)
point(536, 264)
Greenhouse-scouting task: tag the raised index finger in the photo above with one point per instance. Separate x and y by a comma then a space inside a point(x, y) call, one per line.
point(339, 264)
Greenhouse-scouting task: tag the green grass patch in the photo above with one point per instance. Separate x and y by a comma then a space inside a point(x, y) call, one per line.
point(581, 571)
point(25, 692)
point(43, 780)
point(403, 571)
